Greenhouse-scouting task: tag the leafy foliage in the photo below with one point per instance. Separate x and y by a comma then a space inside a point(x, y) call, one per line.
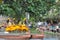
point(17, 8)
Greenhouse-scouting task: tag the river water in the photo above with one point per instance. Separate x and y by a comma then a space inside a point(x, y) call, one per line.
point(52, 37)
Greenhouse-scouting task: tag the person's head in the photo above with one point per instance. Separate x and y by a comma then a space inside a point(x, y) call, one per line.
point(8, 18)
point(49, 24)
point(13, 18)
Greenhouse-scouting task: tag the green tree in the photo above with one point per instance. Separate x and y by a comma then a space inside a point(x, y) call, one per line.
point(17, 8)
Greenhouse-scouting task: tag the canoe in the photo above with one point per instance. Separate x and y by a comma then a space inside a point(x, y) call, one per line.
point(39, 36)
point(15, 36)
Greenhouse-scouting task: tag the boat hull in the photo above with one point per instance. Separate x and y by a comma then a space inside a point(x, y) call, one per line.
point(37, 36)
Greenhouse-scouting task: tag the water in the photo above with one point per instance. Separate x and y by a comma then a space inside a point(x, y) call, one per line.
point(2, 39)
point(52, 37)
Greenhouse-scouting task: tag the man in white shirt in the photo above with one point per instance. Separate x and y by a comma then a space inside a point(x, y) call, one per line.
point(39, 24)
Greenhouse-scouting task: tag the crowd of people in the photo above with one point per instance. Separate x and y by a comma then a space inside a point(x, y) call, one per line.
point(48, 26)
point(41, 26)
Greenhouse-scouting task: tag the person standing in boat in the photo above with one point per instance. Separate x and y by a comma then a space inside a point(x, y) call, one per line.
point(9, 22)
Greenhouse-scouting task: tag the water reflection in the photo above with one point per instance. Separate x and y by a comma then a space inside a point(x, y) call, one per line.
point(52, 37)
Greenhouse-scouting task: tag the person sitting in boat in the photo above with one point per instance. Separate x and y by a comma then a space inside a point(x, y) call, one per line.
point(57, 28)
